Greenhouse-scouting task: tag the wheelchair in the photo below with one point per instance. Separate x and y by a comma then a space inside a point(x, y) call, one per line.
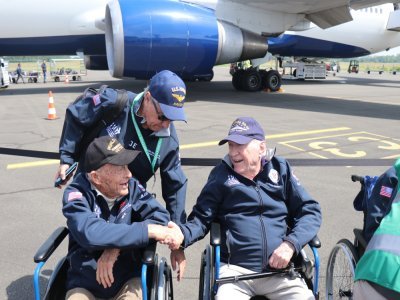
point(156, 275)
point(209, 279)
point(344, 256)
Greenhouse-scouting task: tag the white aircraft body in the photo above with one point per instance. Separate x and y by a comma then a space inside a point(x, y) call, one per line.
point(139, 38)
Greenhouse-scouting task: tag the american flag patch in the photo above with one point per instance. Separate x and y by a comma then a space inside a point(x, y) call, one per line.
point(74, 195)
point(96, 100)
point(386, 191)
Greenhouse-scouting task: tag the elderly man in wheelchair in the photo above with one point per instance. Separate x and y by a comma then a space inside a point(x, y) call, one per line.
point(110, 218)
point(265, 217)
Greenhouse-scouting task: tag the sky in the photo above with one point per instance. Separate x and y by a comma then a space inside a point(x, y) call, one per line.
point(393, 51)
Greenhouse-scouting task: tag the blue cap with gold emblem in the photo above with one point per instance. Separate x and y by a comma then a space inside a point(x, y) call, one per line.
point(170, 91)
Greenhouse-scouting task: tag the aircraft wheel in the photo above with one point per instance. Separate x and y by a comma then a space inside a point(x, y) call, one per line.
point(35, 80)
point(251, 81)
point(273, 81)
point(237, 80)
point(74, 78)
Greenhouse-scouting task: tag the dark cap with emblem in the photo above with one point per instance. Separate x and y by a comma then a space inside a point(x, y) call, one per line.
point(243, 130)
point(170, 92)
point(107, 150)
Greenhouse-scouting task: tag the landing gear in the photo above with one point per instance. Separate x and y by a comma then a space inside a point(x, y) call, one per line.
point(254, 80)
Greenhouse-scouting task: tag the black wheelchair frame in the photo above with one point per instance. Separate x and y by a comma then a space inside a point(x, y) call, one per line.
point(210, 263)
point(344, 256)
point(156, 276)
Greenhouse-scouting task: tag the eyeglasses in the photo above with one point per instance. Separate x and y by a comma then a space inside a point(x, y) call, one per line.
point(160, 115)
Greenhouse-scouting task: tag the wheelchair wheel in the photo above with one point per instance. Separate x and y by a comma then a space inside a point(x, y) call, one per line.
point(340, 271)
point(164, 288)
point(206, 275)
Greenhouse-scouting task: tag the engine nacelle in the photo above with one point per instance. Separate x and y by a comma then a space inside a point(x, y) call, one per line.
point(96, 62)
point(144, 37)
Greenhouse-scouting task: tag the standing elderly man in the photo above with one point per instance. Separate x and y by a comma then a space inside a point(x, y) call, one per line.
point(110, 217)
point(266, 216)
point(145, 124)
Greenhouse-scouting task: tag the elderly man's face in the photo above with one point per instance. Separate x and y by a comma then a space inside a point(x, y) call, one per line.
point(155, 119)
point(112, 180)
point(246, 159)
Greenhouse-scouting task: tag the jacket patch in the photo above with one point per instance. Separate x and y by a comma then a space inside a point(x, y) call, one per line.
point(273, 175)
point(113, 130)
point(386, 191)
point(74, 195)
point(232, 180)
point(96, 100)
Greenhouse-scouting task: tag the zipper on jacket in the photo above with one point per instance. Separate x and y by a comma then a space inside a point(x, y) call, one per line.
point(263, 234)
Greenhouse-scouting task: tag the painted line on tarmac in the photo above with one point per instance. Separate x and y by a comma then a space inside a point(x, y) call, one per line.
point(188, 146)
point(268, 137)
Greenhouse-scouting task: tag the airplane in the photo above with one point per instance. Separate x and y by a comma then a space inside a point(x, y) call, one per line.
point(139, 38)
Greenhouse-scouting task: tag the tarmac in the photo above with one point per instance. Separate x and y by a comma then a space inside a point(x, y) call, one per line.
point(353, 118)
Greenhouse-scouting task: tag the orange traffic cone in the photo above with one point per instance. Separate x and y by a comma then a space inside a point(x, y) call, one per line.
point(51, 115)
point(66, 79)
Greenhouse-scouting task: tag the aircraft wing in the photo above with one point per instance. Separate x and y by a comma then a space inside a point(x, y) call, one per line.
point(271, 18)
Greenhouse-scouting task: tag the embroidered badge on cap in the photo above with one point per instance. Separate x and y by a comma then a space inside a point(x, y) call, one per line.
point(273, 175)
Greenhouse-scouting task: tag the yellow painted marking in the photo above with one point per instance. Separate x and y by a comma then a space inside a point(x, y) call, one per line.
point(189, 146)
point(33, 164)
point(392, 156)
point(268, 137)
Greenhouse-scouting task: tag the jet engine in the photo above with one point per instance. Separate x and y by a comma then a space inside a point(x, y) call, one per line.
point(147, 36)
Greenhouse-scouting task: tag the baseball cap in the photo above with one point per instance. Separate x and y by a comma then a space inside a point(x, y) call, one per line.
point(243, 130)
point(107, 150)
point(170, 91)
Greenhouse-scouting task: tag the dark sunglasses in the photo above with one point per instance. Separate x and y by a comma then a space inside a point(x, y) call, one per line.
point(160, 116)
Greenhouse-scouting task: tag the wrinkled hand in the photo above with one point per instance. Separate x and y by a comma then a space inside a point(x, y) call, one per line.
point(281, 256)
point(105, 264)
point(61, 173)
point(170, 235)
point(174, 238)
point(178, 258)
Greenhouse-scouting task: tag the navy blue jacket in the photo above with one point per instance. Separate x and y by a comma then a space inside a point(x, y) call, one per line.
point(379, 203)
point(256, 216)
point(93, 228)
point(82, 115)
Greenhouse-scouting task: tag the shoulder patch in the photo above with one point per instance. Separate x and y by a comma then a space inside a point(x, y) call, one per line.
point(96, 99)
point(74, 195)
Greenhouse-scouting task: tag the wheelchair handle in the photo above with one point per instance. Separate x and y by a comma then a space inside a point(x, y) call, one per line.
point(355, 178)
point(50, 244)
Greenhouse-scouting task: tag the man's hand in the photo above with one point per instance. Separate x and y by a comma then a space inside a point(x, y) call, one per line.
point(105, 264)
point(178, 257)
point(281, 256)
point(170, 235)
point(61, 173)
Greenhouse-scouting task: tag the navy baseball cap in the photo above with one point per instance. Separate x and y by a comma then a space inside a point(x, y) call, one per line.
point(107, 150)
point(170, 92)
point(243, 130)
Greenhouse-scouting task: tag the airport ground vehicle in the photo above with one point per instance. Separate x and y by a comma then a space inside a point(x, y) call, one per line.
point(61, 69)
point(209, 281)
point(4, 76)
point(303, 70)
point(156, 275)
point(354, 66)
point(344, 256)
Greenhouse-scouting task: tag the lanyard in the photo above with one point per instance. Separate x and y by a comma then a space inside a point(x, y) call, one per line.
point(141, 139)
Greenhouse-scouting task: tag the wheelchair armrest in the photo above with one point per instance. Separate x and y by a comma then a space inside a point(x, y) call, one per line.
point(315, 242)
point(51, 244)
point(215, 235)
point(149, 253)
point(358, 233)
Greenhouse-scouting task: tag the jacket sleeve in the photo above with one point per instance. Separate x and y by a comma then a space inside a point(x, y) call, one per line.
point(304, 212)
point(94, 233)
point(378, 204)
point(79, 117)
point(174, 183)
point(204, 212)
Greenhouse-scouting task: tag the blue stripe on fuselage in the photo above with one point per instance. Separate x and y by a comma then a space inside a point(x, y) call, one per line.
point(55, 45)
point(296, 45)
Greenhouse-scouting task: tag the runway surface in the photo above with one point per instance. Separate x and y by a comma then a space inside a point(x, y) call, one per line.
point(353, 117)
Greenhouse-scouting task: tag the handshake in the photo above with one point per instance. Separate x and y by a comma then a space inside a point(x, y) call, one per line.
point(170, 235)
